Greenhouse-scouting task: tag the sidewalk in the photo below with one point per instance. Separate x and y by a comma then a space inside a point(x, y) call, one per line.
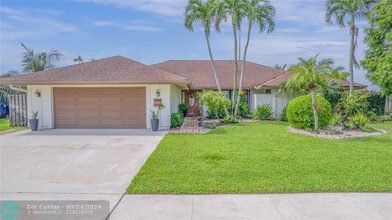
point(264, 206)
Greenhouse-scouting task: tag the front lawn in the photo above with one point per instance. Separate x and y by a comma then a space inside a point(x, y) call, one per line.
point(264, 157)
point(5, 125)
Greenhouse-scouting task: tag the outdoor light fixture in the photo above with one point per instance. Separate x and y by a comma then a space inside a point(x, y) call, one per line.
point(158, 93)
point(38, 93)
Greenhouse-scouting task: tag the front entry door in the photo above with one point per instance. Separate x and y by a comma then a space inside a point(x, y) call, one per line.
point(191, 99)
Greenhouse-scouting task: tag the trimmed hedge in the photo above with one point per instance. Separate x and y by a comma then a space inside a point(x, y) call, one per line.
point(177, 119)
point(300, 114)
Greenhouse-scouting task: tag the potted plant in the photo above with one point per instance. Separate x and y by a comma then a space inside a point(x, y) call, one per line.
point(155, 117)
point(183, 107)
point(34, 121)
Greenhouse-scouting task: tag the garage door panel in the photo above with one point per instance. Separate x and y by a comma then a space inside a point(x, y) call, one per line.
point(111, 91)
point(114, 100)
point(65, 92)
point(88, 91)
point(88, 100)
point(88, 122)
point(100, 107)
point(112, 122)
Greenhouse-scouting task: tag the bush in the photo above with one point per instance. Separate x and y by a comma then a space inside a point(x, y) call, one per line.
point(283, 115)
point(216, 102)
point(336, 120)
point(176, 119)
point(358, 121)
point(376, 102)
point(244, 110)
point(230, 120)
point(263, 112)
point(300, 114)
point(350, 105)
point(210, 125)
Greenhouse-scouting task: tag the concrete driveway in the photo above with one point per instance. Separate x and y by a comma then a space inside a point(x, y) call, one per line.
point(73, 163)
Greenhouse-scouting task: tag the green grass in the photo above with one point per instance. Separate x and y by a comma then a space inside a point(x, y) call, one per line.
point(265, 158)
point(5, 125)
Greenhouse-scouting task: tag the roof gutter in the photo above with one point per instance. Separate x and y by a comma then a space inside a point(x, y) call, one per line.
point(17, 88)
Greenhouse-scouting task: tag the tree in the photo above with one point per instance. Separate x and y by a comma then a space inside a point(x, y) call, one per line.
point(235, 10)
point(261, 13)
point(378, 56)
point(280, 67)
point(341, 10)
point(34, 62)
point(78, 59)
point(310, 75)
point(339, 73)
point(203, 12)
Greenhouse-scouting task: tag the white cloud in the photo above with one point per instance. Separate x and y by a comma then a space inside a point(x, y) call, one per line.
point(137, 25)
point(171, 8)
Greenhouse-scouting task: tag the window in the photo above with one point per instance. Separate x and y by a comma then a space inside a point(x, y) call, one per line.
point(268, 91)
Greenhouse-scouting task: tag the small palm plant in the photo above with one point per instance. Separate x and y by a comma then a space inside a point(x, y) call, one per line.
point(155, 117)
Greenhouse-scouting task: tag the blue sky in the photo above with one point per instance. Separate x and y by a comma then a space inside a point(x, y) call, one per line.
point(152, 31)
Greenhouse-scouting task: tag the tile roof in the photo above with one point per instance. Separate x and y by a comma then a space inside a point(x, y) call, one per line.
point(112, 70)
point(201, 76)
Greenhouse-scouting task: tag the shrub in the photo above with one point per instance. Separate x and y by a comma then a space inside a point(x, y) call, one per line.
point(336, 120)
point(349, 105)
point(177, 119)
point(230, 120)
point(283, 115)
point(300, 114)
point(244, 110)
point(263, 112)
point(216, 102)
point(210, 125)
point(376, 102)
point(358, 121)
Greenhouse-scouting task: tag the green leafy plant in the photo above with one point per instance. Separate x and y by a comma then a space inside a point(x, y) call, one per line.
point(358, 121)
point(336, 120)
point(216, 102)
point(230, 120)
point(244, 110)
point(155, 114)
point(176, 119)
point(300, 115)
point(263, 112)
point(183, 107)
point(34, 114)
point(210, 125)
point(351, 104)
point(283, 115)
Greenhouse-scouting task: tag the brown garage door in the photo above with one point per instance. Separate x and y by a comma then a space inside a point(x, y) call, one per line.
point(100, 107)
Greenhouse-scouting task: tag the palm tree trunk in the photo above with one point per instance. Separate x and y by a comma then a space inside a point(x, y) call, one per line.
point(218, 86)
point(351, 67)
point(243, 69)
point(315, 115)
point(235, 68)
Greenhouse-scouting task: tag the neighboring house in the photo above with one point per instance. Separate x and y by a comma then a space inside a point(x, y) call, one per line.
point(117, 92)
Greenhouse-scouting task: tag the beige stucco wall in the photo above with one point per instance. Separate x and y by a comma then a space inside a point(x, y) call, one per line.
point(170, 95)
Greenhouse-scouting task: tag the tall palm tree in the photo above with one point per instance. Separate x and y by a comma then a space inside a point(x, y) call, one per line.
point(203, 12)
point(235, 10)
point(343, 11)
point(34, 62)
point(280, 67)
point(261, 13)
point(310, 75)
point(339, 73)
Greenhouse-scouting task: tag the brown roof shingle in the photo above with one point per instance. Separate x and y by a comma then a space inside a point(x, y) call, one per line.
point(112, 70)
point(201, 76)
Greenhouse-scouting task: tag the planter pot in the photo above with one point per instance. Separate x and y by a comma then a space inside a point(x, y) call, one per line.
point(154, 124)
point(184, 112)
point(33, 124)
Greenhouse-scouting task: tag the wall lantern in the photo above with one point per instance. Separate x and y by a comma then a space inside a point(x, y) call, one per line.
point(158, 93)
point(38, 93)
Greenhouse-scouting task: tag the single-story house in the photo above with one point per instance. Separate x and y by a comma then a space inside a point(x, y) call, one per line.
point(117, 92)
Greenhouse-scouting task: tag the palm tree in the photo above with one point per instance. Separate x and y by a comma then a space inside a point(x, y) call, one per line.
point(78, 59)
point(203, 12)
point(310, 75)
point(340, 10)
point(34, 62)
point(280, 67)
point(235, 10)
point(339, 73)
point(262, 13)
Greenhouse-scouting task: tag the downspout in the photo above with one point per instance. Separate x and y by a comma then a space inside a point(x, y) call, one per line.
point(276, 103)
point(17, 89)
